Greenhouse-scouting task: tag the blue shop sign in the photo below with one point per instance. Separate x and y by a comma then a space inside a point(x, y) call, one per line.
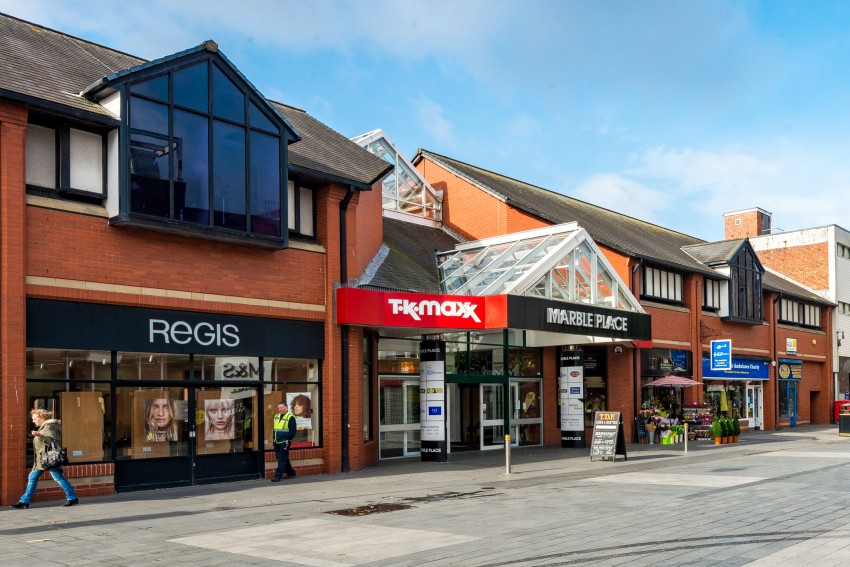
point(742, 369)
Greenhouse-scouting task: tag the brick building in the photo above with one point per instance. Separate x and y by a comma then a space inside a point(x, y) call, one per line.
point(170, 241)
point(817, 257)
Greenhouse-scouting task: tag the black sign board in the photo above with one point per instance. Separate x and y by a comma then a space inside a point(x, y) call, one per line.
point(608, 440)
point(85, 326)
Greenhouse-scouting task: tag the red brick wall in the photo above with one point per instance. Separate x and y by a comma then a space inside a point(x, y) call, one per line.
point(467, 209)
point(370, 233)
point(13, 434)
point(752, 224)
point(807, 264)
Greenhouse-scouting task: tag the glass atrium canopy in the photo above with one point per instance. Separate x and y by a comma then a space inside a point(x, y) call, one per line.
point(558, 262)
point(404, 190)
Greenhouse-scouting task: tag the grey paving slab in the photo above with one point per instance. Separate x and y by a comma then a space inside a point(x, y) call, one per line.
point(774, 499)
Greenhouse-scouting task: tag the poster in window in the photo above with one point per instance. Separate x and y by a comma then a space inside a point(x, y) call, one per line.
point(160, 420)
point(301, 406)
point(219, 423)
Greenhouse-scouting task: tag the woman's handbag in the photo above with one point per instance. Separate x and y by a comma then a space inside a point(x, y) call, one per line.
point(54, 456)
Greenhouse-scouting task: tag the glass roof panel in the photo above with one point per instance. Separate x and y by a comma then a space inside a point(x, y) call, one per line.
point(560, 263)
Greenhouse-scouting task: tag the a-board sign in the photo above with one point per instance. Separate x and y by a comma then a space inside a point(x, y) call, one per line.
point(608, 440)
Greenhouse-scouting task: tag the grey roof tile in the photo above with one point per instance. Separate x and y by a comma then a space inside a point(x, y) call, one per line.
point(632, 236)
point(411, 263)
point(44, 67)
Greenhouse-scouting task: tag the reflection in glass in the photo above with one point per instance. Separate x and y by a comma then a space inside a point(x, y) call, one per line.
point(190, 87)
point(229, 176)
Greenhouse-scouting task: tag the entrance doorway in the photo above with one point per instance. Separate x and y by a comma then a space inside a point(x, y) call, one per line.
point(755, 407)
point(399, 431)
point(181, 436)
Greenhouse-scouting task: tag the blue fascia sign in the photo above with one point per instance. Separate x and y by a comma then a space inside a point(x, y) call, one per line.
point(721, 355)
point(742, 369)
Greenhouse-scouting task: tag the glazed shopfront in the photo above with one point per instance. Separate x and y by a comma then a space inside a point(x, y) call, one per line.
point(172, 398)
point(500, 363)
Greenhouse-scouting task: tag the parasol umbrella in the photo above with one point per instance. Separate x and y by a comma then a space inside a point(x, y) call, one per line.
point(673, 382)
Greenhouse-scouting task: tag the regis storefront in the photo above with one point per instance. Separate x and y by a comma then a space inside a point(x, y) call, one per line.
point(498, 373)
point(171, 398)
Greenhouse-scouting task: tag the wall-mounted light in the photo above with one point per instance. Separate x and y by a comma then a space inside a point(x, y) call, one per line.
point(618, 350)
point(839, 335)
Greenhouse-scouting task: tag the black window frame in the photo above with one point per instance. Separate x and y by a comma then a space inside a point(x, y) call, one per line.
point(62, 159)
point(711, 294)
point(204, 224)
point(800, 314)
point(297, 230)
point(675, 281)
point(746, 288)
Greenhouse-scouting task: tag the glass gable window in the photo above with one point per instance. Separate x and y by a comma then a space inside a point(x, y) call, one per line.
point(404, 190)
point(204, 153)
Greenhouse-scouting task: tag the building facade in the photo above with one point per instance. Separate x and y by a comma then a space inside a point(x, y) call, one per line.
point(170, 242)
point(819, 258)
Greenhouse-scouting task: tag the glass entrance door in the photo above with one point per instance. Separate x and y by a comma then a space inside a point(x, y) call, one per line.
point(755, 407)
point(399, 431)
point(492, 416)
point(792, 404)
point(226, 434)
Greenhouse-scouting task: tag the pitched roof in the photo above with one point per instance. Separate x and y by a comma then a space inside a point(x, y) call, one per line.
point(47, 69)
point(711, 253)
point(411, 263)
point(621, 232)
point(631, 236)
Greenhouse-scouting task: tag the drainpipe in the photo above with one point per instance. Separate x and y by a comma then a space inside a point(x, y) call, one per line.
point(775, 364)
point(344, 339)
point(635, 351)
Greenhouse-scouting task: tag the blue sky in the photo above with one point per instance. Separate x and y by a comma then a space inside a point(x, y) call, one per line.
point(673, 112)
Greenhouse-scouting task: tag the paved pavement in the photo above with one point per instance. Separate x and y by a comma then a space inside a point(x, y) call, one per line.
point(775, 498)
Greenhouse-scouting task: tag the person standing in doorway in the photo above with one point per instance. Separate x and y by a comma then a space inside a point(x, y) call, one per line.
point(282, 433)
point(51, 428)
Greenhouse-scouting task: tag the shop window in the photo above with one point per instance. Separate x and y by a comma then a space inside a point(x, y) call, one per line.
point(203, 153)
point(296, 382)
point(151, 422)
point(661, 285)
point(75, 386)
point(153, 366)
point(800, 314)
point(711, 295)
point(63, 160)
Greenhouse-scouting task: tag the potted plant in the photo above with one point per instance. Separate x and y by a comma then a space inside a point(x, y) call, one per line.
point(736, 428)
point(726, 429)
point(716, 431)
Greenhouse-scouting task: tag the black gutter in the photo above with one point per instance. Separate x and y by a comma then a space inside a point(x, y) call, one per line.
point(344, 330)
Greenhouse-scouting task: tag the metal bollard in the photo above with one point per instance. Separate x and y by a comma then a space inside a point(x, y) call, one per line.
point(507, 454)
point(686, 437)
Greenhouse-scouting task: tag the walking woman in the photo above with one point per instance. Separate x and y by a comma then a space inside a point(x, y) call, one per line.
point(47, 427)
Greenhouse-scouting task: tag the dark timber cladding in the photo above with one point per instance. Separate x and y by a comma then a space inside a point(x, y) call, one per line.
point(539, 314)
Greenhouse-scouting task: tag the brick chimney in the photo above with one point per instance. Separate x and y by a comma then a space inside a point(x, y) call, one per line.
point(746, 223)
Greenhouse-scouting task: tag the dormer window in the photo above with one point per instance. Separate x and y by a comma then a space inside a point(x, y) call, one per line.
point(745, 289)
point(203, 152)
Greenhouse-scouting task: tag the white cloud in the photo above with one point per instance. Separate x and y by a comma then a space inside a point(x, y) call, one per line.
point(691, 189)
point(620, 194)
point(429, 116)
